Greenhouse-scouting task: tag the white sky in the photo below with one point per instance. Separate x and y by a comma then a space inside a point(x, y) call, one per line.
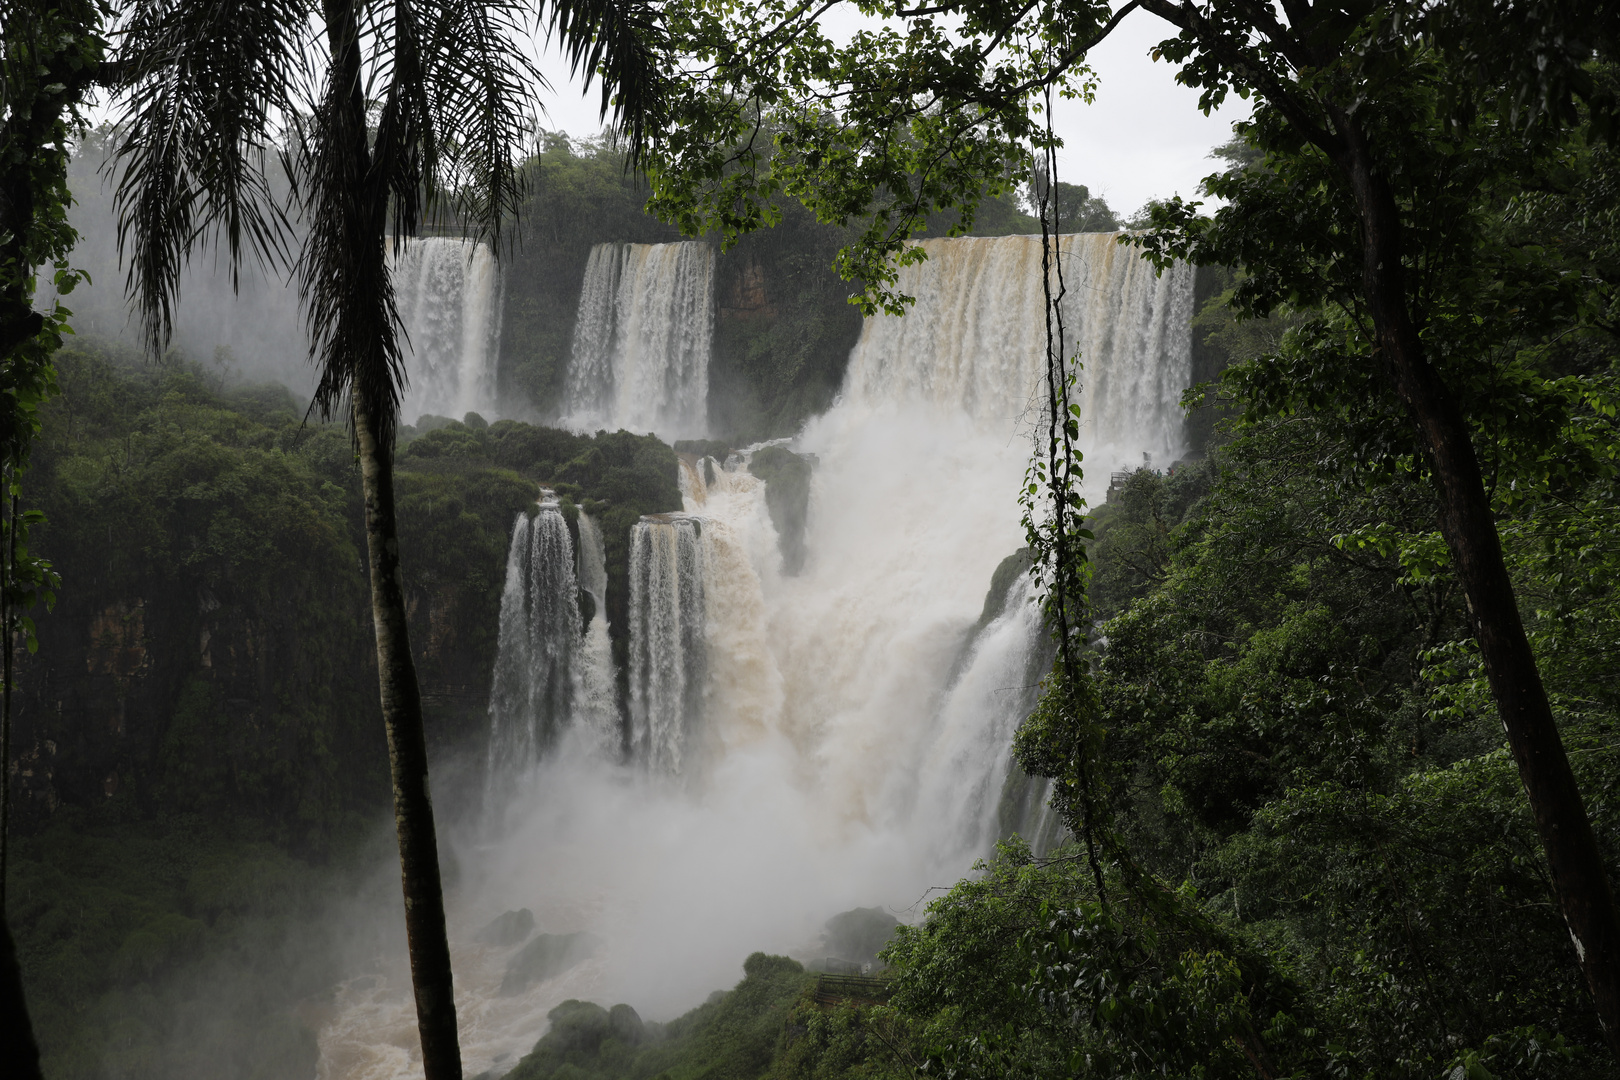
point(1143, 138)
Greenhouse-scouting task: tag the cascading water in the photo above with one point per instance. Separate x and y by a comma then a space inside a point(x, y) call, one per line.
point(961, 774)
point(841, 735)
point(667, 655)
point(975, 340)
point(532, 699)
point(448, 296)
point(596, 706)
point(640, 357)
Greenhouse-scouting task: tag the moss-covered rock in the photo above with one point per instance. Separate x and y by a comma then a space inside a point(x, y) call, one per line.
point(735, 1035)
point(703, 448)
point(1007, 573)
point(859, 934)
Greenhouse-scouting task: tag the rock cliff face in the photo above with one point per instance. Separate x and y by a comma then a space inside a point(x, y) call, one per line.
point(745, 296)
point(122, 684)
point(126, 688)
point(128, 691)
point(212, 649)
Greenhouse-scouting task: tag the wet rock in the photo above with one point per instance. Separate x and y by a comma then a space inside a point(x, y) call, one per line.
point(508, 928)
point(546, 957)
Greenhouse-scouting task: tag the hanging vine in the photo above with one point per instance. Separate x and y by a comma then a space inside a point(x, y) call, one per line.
point(1060, 741)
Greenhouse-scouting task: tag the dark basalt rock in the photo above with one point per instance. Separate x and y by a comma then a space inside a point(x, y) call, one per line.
point(509, 928)
point(787, 496)
point(546, 957)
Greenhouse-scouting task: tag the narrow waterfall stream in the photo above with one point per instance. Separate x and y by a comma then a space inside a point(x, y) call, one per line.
point(793, 745)
point(532, 699)
point(596, 707)
point(667, 654)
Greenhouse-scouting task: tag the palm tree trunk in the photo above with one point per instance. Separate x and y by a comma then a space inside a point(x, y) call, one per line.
point(407, 760)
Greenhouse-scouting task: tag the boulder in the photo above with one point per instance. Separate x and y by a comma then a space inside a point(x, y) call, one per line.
point(546, 957)
point(509, 928)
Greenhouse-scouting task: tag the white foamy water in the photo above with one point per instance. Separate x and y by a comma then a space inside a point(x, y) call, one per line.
point(834, 738)
point(448, 295)
point(595, 703)
point(640, 357)
point(532, 699)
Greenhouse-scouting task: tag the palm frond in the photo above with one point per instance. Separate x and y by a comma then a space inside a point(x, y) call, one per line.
point(485, 109)
point(621, 42)
point(343, 278)
point(420, 107)
point(204, 83)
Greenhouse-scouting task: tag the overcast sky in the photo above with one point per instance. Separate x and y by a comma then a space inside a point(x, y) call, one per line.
point(1143, 138)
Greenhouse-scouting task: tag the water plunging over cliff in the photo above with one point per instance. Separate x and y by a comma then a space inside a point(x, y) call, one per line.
point(532, 699)
point(667, 655)
point(596, 705)
point(975, 341)
point(448, 296)
point(640, 357)
point(838, 737)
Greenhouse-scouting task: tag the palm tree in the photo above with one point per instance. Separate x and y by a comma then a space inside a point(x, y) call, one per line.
point(389, 111)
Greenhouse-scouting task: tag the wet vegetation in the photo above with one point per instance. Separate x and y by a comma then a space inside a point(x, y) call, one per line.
point(1290, 735)
point(202, 761)
point(735, 1035)
point(1307, 848)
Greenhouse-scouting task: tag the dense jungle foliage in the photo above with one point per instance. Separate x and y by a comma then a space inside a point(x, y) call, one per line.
point(213, 780)
point(1319, 858)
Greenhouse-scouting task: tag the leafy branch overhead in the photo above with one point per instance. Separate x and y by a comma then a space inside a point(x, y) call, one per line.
point(915, 113)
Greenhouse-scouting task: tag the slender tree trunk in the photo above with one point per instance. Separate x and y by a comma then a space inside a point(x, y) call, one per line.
point(8, 648)
point(18, 1051)
point(1580, 878)
point(362, 225)
point(407, 760)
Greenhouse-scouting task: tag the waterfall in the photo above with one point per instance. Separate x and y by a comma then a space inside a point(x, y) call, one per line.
point(841, 735)
point(667, 656)
point(640, 357)
point(743, 686)
point(448, 299)
point(962, 772)
point(975, 340)
point(596, 706)
point(531, 701)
